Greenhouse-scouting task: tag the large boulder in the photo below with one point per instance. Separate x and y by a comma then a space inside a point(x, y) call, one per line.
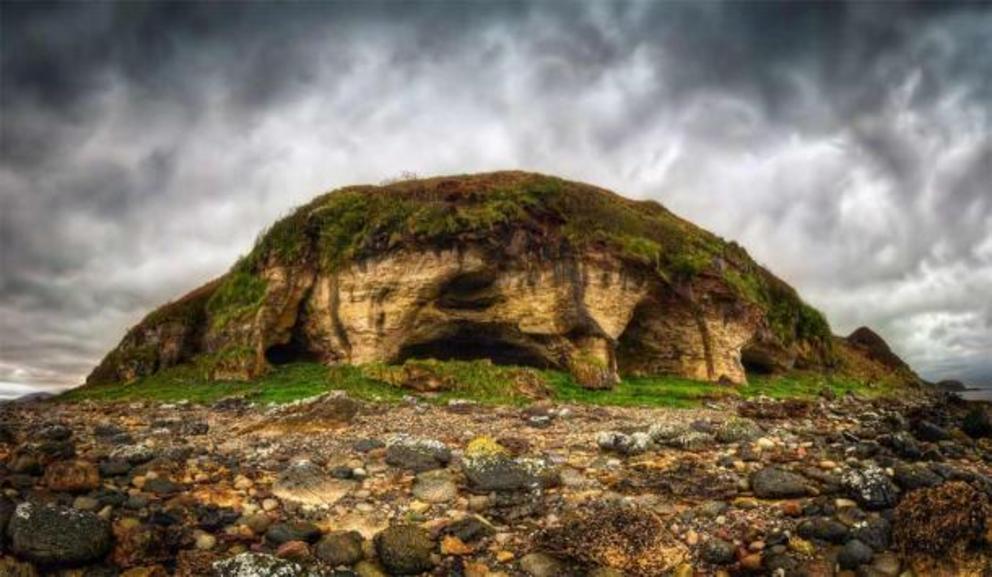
point(72, 476)
point(405, 549)
point(935, 519)
point(612, 535)
point(489, 467)
point(871, 488)
point(416, 454)
point(777, 483)
point(52, 535)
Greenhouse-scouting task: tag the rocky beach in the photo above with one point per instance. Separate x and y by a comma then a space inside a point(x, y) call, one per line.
point(330, 485)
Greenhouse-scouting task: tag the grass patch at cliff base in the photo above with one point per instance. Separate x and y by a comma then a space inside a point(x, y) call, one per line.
point(478, 381)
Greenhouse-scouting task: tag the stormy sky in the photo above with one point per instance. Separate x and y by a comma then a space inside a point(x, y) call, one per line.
point(145, 145)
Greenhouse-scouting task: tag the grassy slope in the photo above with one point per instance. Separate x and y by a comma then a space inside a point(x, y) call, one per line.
point(475, 380)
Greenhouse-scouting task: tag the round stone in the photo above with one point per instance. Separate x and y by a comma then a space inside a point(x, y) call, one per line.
point(340, 548)
point(405, 549)
point(854, 554)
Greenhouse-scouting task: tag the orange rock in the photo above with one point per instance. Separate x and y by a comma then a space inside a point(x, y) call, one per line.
point(72, 476)
point(476, 570)
point(452, 545)
point(751, 562)
point(792, 508)
point(153, 571)
point(294, 550)
point(504, 556)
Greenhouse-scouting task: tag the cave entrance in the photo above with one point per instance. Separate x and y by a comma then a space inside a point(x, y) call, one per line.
point(473, 343)
point(757, 362)
point(293, 351)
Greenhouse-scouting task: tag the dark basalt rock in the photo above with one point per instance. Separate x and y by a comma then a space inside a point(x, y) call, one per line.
point(823, 529)
point(776, 483)
point(52, 535)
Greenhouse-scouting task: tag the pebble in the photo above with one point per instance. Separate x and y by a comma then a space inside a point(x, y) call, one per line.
point(205, 541)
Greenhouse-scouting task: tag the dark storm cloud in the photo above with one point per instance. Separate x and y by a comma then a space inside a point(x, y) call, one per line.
point(144, 145)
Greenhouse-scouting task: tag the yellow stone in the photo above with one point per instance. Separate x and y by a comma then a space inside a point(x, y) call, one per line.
point(504, 556)
point(484, 447)
point(801, 546)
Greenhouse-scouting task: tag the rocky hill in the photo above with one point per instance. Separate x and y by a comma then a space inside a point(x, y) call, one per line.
point(514, 267)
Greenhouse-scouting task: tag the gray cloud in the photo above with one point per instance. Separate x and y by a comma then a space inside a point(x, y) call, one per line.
point(846, 145)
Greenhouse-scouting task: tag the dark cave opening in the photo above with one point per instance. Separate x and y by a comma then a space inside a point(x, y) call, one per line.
point(472, 343)
point(293, 351)
point(756, 362)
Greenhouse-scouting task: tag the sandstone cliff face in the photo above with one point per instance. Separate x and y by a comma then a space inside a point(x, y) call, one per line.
point(529, 288)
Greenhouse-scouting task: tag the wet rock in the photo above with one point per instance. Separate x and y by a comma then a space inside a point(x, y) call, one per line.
point(14, 568)
point(328, 411)
point(623, 443)
point(871, 488)
point(417, 455)
point(137, 543)
point(718, 552)
point(193, 429)
point(691, 441)
point(933, 520)
point(541, 565)
point(777, 483)
point(911, 477)
point(294, 550)
point(366, 445)
point(435, 486)
point(114, 467)
point(780, 563)
point(305, 483)
point(666, 430)
point(886, 564)
point(876, 532)
point(736, 430)
point(25, 465)
point(161, 486)
point(6, 511)
point(853, 554)
point(978, 422)
point(631, 539)
point(340, 548)
point(56, 535)
point(489, 467)
point(55, 432)
point(72, 476)
point(930, 432)
point(259, 565)
point(133, 454)
point(7, 434)
point(57, 449)
point(469, 528)
point(771, 409)
point(106, 430)
point(214, 518)
point(405, 549)
point(905, 446)
point(293, 531)
point(823, 529)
